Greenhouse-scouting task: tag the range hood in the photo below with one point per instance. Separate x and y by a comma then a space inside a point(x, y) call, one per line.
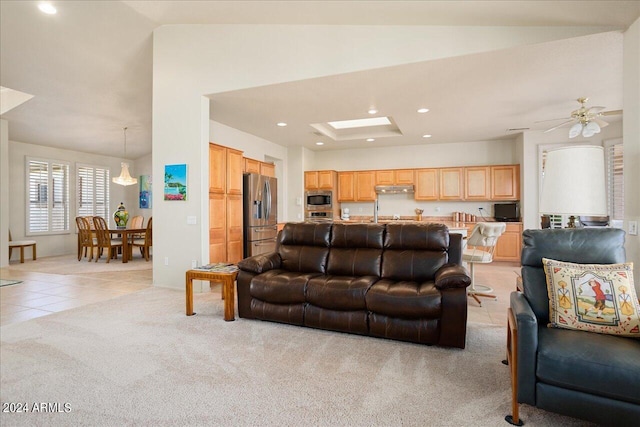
point(394, 189)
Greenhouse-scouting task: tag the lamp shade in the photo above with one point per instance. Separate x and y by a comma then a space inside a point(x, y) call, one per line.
point(574, 182)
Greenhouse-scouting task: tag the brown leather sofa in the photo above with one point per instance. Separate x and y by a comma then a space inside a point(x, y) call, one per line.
point(399, 281)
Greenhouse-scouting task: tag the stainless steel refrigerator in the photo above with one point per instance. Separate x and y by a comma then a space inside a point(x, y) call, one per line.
point(260, 206)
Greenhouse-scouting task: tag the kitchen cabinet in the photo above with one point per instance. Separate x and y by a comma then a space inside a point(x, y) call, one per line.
point(251, 166)
point(365, 186)
point(235, 165)
point(217, 228)
point(320, 180)
point(505, 182)
point(234, 228)
point(394, 177)
point(426, 184)
point(217, 169)
point(268, 169)
point(346, 191)
point(509, 245)
point(477, 183)
point(451, 184)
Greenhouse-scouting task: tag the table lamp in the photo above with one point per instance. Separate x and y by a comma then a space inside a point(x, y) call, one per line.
point(574, 182)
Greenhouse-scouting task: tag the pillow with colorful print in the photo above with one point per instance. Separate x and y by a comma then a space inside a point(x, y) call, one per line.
point(592, 297)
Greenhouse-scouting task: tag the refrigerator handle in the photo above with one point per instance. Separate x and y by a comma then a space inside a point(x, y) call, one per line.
point(267, 208)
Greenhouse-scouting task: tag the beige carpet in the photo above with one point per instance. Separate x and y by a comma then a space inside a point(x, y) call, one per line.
point(138, 360)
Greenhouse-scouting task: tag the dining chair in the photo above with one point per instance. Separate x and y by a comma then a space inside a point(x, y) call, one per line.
point(86, 241)
point(145, 243)
point(481, 245)
point(21, 244)
point(104, 239)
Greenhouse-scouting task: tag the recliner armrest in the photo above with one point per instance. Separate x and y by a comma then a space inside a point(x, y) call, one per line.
point(261, 263)
point(527, 347)
point(451, 276)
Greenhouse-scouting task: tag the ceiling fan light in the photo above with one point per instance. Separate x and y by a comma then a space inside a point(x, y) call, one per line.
point(592, 128)
point(575, 130)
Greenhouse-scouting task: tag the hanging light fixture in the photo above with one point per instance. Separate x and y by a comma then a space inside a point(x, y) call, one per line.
point(125, 178)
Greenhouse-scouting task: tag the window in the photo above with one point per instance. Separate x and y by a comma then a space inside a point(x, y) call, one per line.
point(93, 190)
point(615, 178)
point(48, 196)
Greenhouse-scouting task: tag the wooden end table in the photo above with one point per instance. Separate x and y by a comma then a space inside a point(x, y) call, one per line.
point(227, 279)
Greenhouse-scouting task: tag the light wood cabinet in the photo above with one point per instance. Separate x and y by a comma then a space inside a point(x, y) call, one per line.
point(385, 177)
point(346, 192)
point(426, 184)
point(217, 169)
point(234, 228)
point(235, 164)
point(509, 246)
point(477, 183)
point(320, 180)
point(394, 176)
point(451, 184)
point(268, 169)
point(251, 165)
point(217, 228)
point(404, 176)
point(365, 186)
point(505, 182)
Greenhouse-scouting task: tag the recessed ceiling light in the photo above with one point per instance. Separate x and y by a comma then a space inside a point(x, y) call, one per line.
point(319, 143)
point(370, 139)
point(372, 111)
point(281, 124)
point(423, 110)
point(47, 8)
point(426, 136)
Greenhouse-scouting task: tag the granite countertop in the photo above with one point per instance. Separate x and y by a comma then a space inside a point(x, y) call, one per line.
point(404, 219)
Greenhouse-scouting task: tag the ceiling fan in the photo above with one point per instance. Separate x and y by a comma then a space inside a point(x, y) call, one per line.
point(586, 120)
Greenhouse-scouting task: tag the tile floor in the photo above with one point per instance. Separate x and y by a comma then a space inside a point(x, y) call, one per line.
point(41, 294)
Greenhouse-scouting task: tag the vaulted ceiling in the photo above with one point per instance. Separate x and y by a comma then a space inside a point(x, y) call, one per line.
point(89, 68)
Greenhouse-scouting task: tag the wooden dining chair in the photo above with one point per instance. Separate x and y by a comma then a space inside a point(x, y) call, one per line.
point(145, 243)
point(104, 239)
point(86, 241)
point(21, 244)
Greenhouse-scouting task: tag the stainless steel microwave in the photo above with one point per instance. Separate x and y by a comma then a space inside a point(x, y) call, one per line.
point(319, 200)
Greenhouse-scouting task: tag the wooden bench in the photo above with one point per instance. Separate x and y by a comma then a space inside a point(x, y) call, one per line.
point(22, 244)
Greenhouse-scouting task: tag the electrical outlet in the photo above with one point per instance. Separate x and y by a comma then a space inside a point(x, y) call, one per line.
point(633, 228)
point(194, 263)
point(166, 260)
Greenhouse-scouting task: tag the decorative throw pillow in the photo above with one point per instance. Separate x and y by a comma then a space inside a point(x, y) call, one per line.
point(592, 297)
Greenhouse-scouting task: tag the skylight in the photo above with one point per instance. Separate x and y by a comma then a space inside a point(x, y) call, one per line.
point(360, 123)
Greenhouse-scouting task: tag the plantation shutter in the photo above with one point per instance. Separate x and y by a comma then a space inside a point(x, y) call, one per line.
point(615, 181)
point(93, 191)
point(48, 196)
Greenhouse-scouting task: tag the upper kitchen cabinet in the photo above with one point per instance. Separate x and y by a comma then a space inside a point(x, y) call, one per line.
point(268, 169)
point(356, 186)
point(426, 184)
point(478, 183)
point(451, 184)
point(235, 165)
point(505, 182)
point(346, 192)
point(217, 169)
point(251, 166)
point(320, 180)
point(394, 177)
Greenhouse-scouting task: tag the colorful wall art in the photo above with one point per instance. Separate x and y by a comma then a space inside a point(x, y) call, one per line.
point(175, 182)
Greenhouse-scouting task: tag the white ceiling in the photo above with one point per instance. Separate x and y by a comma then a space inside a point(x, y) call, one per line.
point(90, 69)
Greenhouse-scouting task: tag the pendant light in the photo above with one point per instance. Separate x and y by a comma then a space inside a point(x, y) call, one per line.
point(125, 178)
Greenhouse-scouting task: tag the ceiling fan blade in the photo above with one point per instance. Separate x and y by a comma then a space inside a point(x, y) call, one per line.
point(610, 113)
point(601, 123)
point(560, 125)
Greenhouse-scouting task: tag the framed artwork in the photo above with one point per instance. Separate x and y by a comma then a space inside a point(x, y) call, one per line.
point(145, 191)
point(175, 182)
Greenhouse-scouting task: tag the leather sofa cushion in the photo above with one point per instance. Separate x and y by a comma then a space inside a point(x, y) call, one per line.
point(307, 234)
point(354, 322)
point(304, 247)
point(354, 262)
point(430, 237)
point(285, 313)
point(357, 236)
point(404, 299)
point(603, 365)
point(280, 287)
point(339, 292)
point(423, 331)
point(412, 265)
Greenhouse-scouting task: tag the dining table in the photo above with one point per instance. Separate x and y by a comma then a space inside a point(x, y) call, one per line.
point(127, 235)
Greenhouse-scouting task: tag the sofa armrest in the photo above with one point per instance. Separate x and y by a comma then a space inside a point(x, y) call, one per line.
point(527, 325)
point(451, 276)
point(260, 263)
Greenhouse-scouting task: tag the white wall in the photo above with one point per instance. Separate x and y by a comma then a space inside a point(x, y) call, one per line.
point(58, 244)
point(4, 193)
point(631, 141)
point(193, 61)
point(142, 166)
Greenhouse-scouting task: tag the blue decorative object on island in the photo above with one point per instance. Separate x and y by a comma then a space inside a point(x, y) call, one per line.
point(121, 216)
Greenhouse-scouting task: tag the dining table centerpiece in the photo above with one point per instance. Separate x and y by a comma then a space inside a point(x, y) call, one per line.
point(121, 216)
